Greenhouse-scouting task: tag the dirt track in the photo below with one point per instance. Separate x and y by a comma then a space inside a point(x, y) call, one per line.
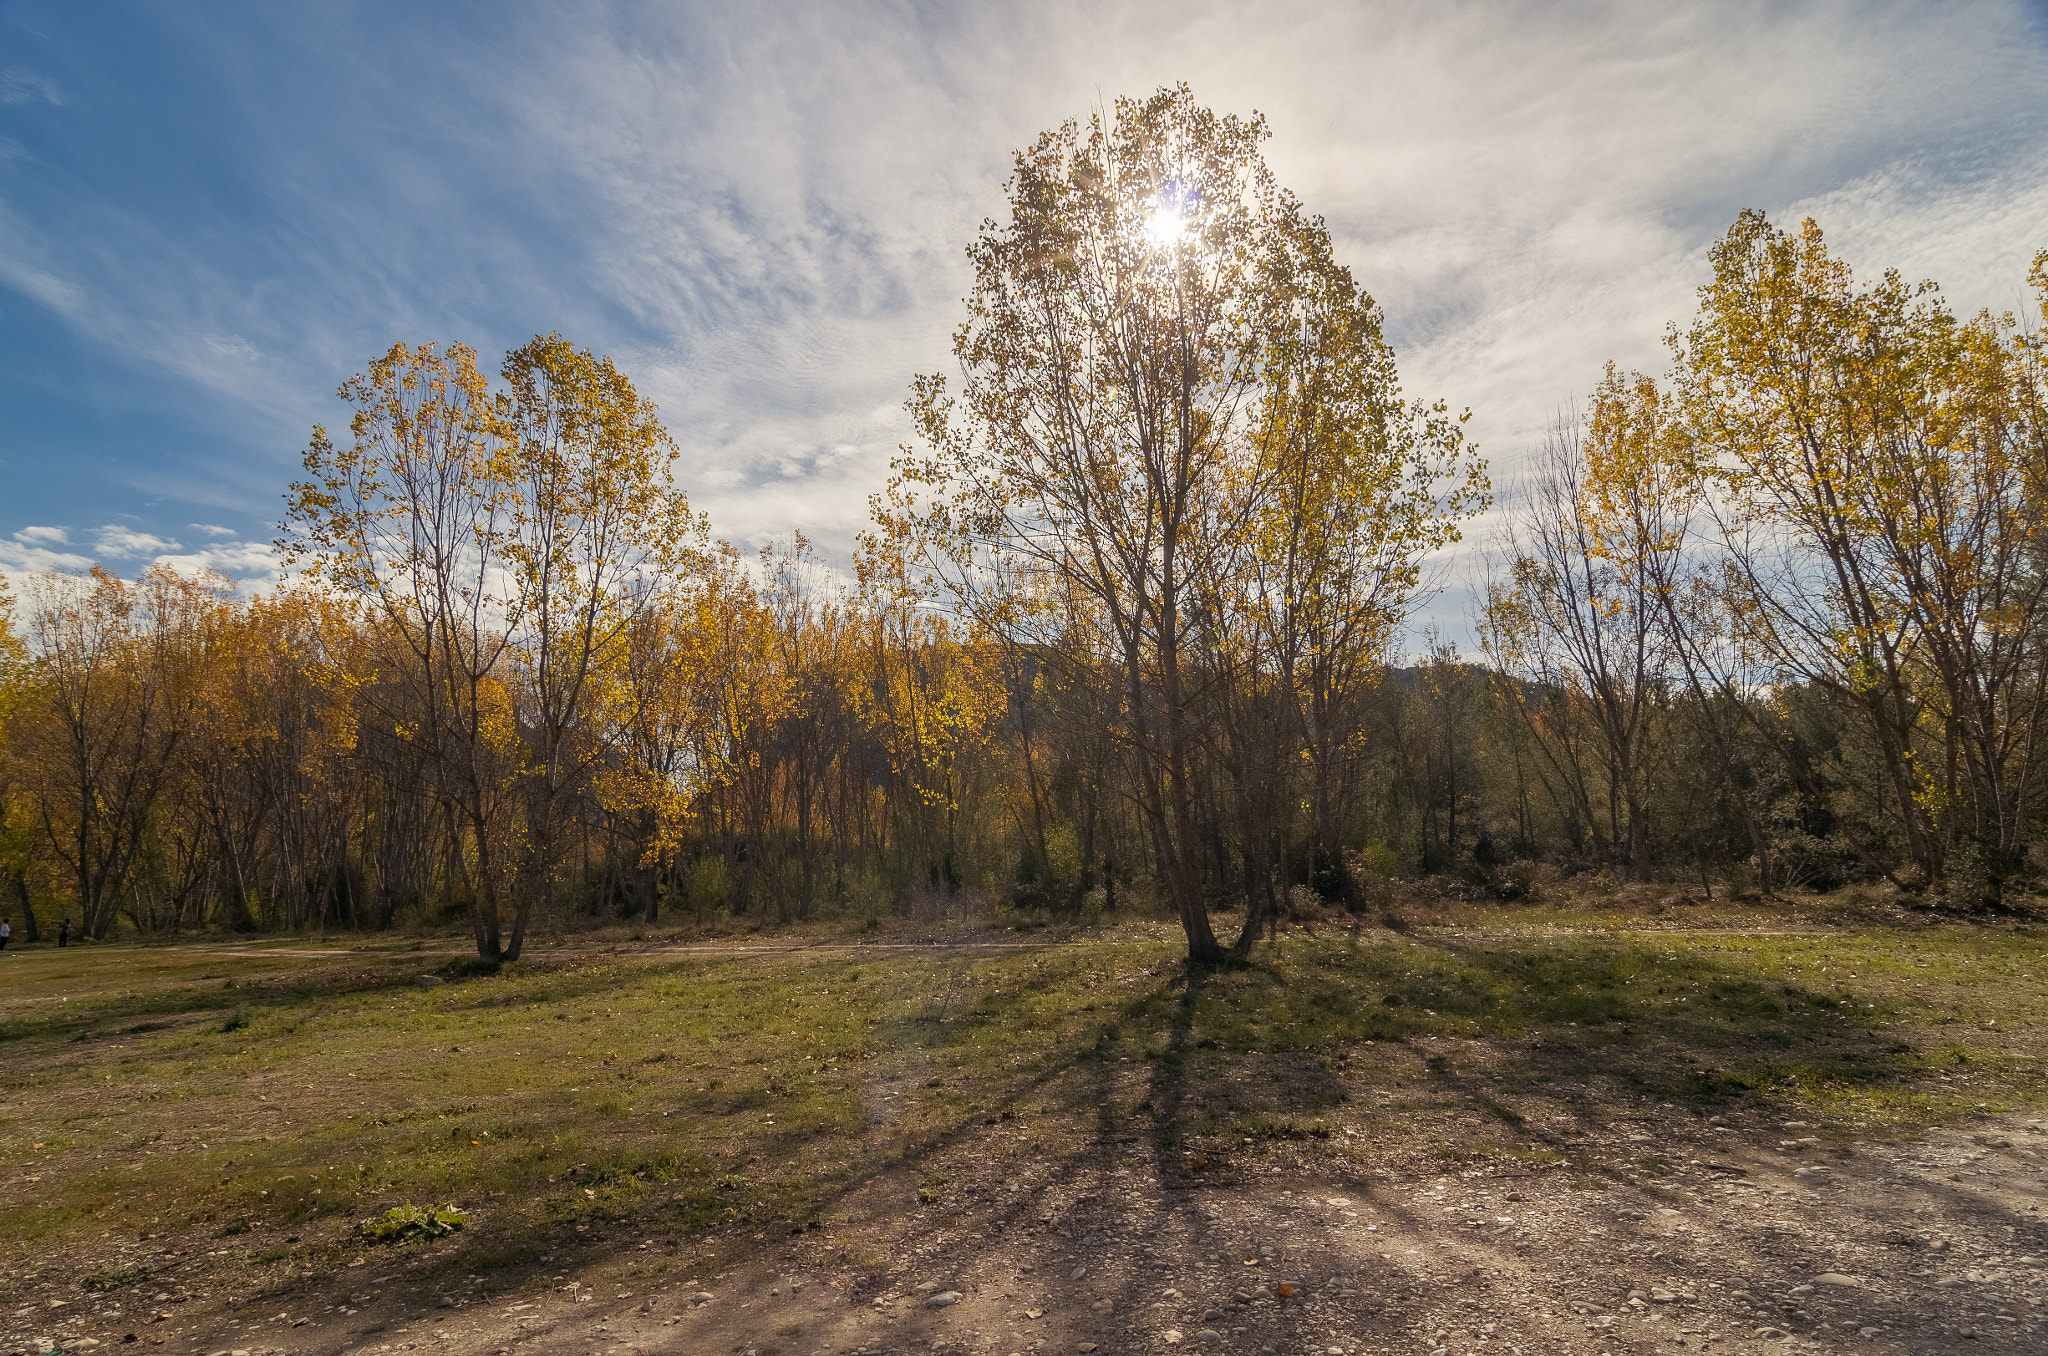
point(1751, 1240)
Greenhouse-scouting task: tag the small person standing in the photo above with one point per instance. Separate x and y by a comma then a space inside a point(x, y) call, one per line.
point(6, 931)
point(64, 933)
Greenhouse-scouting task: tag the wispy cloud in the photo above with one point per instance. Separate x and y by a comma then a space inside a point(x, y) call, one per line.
point(125, 543)
point(19, 86)
point(1529, 190)
point(761, 210)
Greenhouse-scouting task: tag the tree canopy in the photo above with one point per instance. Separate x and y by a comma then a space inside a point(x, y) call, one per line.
point(1125, 631)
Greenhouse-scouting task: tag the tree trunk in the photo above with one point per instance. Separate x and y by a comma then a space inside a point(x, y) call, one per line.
point(28, 910)
point(1638, 836)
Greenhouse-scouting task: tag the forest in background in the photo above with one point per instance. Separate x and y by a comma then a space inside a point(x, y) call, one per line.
point(1126, 631)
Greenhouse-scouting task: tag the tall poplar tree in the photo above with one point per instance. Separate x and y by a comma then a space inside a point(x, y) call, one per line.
point(1129, 335)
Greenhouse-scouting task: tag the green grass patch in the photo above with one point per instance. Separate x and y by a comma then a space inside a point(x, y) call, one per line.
point(401, 1224)
point(115, 1279)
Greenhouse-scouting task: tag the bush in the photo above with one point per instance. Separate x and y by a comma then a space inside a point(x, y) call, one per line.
point(1330, 877)
point(1307, 905)
point(710, 886)
point(1372, 875)
point(869, 898)
point(410, 1221)
point(1981, 872)
point(1380, 858)
point(1063, 858)
point(1519, 880)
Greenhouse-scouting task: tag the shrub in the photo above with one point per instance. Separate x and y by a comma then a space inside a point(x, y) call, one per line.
point(710, 886)
point(869, 898)
point(1063, 858)
point(1372, 874)
point(1519, 880)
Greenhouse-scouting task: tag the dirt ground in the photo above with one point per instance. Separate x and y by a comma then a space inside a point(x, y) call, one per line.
point(1648, 1229)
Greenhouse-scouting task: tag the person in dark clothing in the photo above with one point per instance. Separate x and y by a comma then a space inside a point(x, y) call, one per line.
point(64, 933)
point(6, 931)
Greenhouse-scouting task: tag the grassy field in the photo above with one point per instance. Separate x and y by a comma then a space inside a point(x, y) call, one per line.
point(254, 1102)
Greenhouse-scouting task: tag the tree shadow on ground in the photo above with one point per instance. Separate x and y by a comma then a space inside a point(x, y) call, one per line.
point(1215, 1110)
point(1187, 1130)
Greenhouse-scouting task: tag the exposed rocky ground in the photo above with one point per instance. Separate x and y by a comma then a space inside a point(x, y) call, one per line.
point(1648, 1229)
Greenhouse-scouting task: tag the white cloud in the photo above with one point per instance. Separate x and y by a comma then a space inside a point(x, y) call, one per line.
point(18, 271)
point(210, 530)
point(36, 550)
point(248, 561)
point(32, 550)
point(125, 543)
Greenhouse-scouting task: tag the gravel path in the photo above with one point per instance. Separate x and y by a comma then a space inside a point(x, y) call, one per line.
point(1760, 1238)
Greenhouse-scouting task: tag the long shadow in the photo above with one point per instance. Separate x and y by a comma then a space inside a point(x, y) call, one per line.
point(1687, 1029)
point(1162, 1134)
point(251, 991)
point(1121, 1217)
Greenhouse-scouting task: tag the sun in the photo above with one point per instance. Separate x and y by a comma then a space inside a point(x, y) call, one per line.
point(1173, 211)
point(1166, 227)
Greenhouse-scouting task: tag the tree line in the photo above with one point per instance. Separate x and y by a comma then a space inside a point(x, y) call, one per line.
point(1124, 630)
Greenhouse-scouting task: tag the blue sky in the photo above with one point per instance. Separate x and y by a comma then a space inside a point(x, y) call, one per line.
point(211, 214)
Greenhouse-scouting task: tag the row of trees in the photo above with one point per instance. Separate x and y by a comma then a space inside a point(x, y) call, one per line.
point(1816, 548)
point(185, 757)
point(1124, 624)
point(512, 676)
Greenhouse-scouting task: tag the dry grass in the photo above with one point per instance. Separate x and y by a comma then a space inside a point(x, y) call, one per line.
point(255, 1102)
